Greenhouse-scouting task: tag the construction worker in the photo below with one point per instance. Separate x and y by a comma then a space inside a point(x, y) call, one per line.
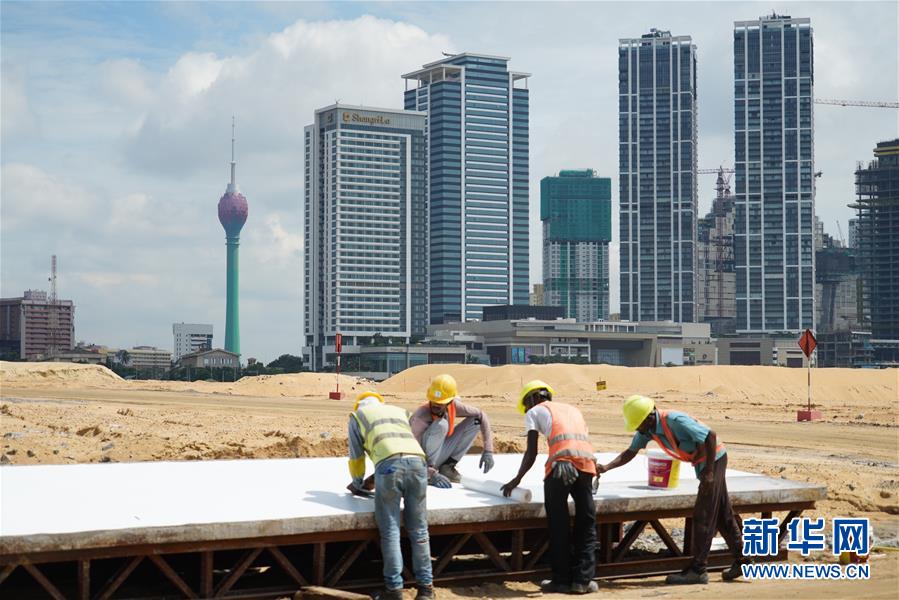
point(570, 471)
point(684, 438)
point(383, 432)
point(446, 440)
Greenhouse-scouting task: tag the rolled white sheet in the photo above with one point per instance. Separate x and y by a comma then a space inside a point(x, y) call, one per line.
point(493, 487)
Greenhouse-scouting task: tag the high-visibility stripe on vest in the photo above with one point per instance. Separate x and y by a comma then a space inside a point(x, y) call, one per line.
point(385, 430)
point(450, 416)
point(568, 439)
point(695, 458)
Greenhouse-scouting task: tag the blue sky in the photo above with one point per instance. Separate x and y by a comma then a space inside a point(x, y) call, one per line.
point(116, 125)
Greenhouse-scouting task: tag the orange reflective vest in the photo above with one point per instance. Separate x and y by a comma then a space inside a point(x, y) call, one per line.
point(568, 438)
point(695, 458)
point(450, 416)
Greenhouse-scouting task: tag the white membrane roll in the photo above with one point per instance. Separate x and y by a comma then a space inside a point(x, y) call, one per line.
point(494, 488)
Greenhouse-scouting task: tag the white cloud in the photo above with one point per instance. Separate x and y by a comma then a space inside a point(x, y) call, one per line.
point(16, 117)
point(32, 196)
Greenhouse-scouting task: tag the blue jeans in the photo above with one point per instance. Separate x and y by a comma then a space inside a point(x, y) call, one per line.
point(406, 478)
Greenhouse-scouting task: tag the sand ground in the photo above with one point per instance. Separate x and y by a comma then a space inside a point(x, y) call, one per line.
point(59, 414)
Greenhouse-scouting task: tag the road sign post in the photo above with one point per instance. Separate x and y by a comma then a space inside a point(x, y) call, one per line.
point(338, 347)
point(808, 343)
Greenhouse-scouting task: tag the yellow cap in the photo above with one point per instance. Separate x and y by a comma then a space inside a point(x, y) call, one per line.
point(442, 389)
point(368, 394)
point(636, 409)
point(530, 387)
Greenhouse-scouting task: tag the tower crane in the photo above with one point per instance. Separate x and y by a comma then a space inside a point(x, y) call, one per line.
point(865, 103)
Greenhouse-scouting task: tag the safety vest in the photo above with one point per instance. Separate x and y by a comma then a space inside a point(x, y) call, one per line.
point(695, 458)
point(568, 438)
point(386, 432)
point(450, 416)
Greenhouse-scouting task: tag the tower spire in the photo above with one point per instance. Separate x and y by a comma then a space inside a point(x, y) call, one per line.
point(233, 162)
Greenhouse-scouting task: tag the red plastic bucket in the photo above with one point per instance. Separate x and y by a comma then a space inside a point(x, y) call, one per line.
point(662, 470)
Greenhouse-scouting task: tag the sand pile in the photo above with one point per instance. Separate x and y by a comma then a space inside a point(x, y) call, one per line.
point(55, 374)
point(266, 386)
point(727, 383)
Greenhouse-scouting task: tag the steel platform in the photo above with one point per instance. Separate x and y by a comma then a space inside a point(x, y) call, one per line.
point(263, 528)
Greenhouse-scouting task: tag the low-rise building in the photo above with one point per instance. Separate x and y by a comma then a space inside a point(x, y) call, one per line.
point(208, 359)
point(781, 351)
point(524, 341)
point(190, 337)
point(149, 359)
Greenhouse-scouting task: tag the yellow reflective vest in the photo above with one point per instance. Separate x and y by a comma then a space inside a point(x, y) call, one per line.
point(386, 432)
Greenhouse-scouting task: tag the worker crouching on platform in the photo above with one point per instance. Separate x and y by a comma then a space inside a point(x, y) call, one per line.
point(446, 440)
point(570, 471)
point(383, 432)
point(684, 438)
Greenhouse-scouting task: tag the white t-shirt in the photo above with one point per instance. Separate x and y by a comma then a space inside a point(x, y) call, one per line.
point(539, 419)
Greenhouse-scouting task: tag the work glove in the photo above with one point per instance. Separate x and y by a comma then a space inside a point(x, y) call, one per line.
point(440, 481)
point(564, 471)
point(486, 461)
point(357, 488)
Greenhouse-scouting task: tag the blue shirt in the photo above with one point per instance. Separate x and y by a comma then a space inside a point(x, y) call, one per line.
point(689, 433)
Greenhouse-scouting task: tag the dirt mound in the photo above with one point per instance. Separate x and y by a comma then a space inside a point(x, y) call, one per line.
point(725, 383)
point(54, 374)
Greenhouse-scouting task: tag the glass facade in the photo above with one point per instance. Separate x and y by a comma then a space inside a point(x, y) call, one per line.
point(365, 226)
point(657, 176)
point(774, 200)
point(576, 210)
point(478, 182)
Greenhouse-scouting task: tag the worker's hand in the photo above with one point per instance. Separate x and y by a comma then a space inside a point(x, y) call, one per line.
point(565, 472)
point(600, 469)
point(486, 461)
point(357, 490)
point(707, 476)
point(369, 483)
point(441, 481)
point(507, 489)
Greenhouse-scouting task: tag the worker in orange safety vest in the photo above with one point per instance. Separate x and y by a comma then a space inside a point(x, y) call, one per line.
point(684, 438)
point(570, 471)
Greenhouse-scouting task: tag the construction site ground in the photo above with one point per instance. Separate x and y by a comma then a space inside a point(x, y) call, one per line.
point(64, 414)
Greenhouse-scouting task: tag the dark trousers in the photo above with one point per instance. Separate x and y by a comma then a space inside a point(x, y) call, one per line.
point(713, 512)
point(571, 562)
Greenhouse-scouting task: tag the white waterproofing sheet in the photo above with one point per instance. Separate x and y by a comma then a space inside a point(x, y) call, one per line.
point(64, 507)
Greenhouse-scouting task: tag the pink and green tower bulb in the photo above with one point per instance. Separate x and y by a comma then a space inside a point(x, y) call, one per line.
point(232, 215)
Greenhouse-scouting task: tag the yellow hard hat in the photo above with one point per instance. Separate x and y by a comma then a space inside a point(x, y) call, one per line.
point(636, 409)
point(529, 387)
point(442, 389)
point(367, 394)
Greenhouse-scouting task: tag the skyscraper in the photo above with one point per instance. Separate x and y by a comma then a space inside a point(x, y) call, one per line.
point(478, 182)
point(657, 176)
point(877, 186)
point(774, 199)
point(716, 289)
point(233, 212)
point(576, 210)
point(365, 226)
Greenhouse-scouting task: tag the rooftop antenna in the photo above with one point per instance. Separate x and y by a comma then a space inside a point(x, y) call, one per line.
point(53, 313)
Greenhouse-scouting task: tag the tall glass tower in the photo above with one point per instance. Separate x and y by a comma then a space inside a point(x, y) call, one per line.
point(576, 210)
point(657, 176)
point(774, 201)
point(478, 182)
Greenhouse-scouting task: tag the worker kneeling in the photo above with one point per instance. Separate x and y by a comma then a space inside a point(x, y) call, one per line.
point(570, 471)
point(684, 438)
point(444, 440)
point(400, 474)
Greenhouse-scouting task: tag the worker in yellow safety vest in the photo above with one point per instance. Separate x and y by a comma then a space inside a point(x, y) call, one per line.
point(382, 431)
point(570, 471)
point(684, 438)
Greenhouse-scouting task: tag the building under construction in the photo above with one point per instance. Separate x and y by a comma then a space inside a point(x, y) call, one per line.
point(877, 188)
point(716, 295)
